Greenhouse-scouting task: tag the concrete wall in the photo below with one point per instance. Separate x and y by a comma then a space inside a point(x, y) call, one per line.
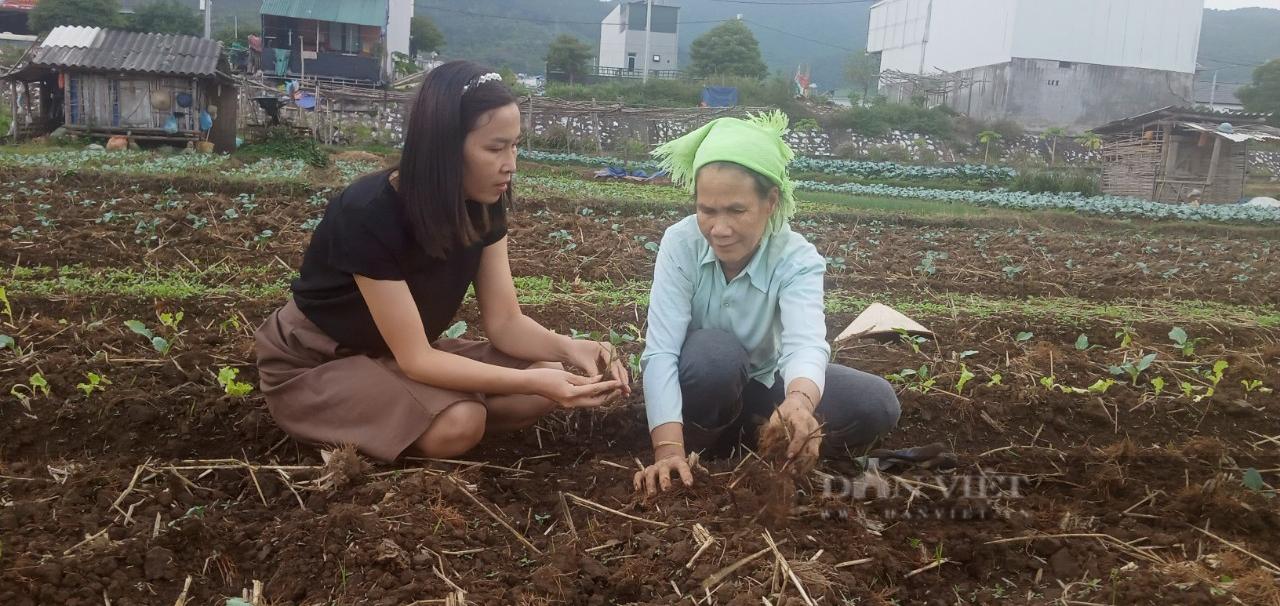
point(616, 42)
point(613, 40)
point(399, 13)
point(1041, 94)
point(663, 45)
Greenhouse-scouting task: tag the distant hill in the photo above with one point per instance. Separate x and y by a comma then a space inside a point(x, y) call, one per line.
point(1233, 42)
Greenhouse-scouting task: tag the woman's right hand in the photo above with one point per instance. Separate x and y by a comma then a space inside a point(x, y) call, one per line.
point(570, 390)
point(658, 475)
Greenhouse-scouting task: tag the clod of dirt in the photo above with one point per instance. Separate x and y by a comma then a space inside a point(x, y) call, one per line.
point(774, 440)
point(156, 563)
point(1064, 565)
point(389, 551)
point(344, 467)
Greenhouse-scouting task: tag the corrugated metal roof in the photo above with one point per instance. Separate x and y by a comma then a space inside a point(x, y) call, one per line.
point(71, 35)
point(115, 50)
point(1174, 112)
point(359, 12)
point(1239, 134)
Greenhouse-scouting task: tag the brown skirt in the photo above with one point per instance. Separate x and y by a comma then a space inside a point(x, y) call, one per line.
point(320, 394)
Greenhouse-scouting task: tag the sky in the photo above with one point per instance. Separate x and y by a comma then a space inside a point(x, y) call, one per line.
point(1230, 4)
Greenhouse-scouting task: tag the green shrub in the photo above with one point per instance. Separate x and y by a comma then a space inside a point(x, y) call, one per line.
point(558, 137)
point(1047, 181)
point(879, 119)
point(283, 143)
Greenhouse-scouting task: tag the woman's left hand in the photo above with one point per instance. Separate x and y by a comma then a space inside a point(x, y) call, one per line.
point(598, 357)
point(795, 418)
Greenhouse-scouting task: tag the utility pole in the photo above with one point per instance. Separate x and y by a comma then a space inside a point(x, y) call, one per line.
point(648, 27)
point(207, 7)
point(1213, 91)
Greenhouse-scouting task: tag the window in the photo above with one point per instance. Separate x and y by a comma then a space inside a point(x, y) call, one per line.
point(631, 62)
point(657, 58)
point(344, 38)
point(1065, 64)
point(1054, 82)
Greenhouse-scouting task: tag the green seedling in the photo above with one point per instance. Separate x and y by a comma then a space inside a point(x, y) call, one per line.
point(1252, 480)
point(455, 331)
point(915, 379)
point(7, 342)
point(1050, 383)
point(171, 320)
point(7, 309)
point(160, 344)
point(996, 379)
point(94, 382)
point(232, 323)
point(1157, 385)
point(1126, 336)
point(914, 341)
point(232, 387)
point(1215, 375)
point(965, 376)
point(1187, 345)
point(36, 384)
point(1101, 386)
point(1134, 368)
point(1188, 388)
point(1023, 337)
point(1252, 385)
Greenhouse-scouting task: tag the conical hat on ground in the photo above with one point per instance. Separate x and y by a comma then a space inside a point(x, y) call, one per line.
point(881, 322)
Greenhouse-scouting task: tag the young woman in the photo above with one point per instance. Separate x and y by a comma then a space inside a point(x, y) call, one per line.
point(354, 357)
point(736, 329)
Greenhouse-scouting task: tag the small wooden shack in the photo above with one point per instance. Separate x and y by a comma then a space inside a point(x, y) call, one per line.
point(96, 81)
point(1180, 154)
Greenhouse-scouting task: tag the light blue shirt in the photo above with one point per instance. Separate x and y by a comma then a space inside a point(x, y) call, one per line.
point(774, 307)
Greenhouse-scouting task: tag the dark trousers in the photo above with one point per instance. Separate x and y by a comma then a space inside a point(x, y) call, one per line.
point(723, 407)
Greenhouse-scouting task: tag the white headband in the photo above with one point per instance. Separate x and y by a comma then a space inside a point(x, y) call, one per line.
point(481, 79)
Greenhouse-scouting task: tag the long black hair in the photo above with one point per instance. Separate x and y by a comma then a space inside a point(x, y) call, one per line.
point(447, 106)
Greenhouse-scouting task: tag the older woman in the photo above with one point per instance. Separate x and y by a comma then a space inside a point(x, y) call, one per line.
point(736, 328)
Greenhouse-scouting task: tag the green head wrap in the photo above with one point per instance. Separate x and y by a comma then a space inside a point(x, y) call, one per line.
point(755, 143)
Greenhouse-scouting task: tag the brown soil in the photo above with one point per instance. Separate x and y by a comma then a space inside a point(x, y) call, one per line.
point(129, 490)
point(176, 226)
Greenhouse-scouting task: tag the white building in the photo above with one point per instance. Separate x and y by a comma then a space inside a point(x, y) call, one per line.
point(1044, 63)
point(622, 37)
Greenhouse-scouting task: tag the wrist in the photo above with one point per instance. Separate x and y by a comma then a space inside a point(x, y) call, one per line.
point(802, 400)
point(531, 383)
point(667, 451)
point(564, 348)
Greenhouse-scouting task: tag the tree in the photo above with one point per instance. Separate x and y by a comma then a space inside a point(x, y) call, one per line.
point(569, 56)
point(424, 36)
point(49, 14)
point(1264, 94)
point(166, 17)
point(862, 70)
point(986, 137)
point(229, 35)
point(1053, 135)
point(1090, 141)
point(728, 49)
